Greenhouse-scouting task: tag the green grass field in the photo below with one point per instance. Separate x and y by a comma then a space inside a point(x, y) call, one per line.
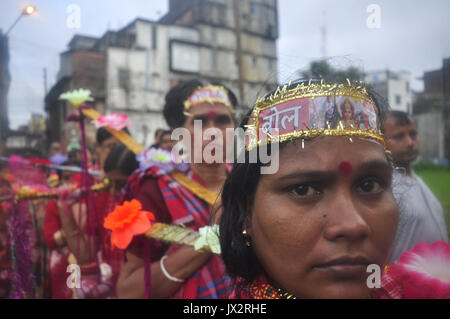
point(439, 182)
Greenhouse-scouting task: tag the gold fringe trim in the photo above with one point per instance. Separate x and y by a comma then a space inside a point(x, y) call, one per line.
point(173, 234)
point(311, 90)
point(188, 104)
point(22, 195)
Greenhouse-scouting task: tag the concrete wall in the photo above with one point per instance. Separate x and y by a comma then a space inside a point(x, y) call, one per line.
point(147, 65)
point(205, 47)
point(430, 128)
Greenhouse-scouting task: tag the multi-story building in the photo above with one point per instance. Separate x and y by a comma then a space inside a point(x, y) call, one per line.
point(195, 39)
point(81, 66)
point(395, 87)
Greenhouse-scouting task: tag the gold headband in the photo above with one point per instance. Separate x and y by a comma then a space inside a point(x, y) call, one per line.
point(209, 94)
point(314, 109)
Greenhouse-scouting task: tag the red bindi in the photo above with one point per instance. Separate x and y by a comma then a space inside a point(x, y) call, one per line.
point(212, 115)
point(345, 168)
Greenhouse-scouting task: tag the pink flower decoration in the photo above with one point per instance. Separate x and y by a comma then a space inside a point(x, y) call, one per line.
point(115, 121)
point(424, 271)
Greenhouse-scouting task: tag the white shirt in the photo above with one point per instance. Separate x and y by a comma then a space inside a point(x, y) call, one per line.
point(421, 218)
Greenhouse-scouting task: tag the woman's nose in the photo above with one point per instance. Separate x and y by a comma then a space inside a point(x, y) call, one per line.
point(344, 219)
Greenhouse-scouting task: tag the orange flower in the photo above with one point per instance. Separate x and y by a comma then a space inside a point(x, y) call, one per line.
point(126, 221)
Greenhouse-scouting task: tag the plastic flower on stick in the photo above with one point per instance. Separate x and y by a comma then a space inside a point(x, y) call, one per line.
point(77, 97)
point(165, 160)
point(115, 121)
point(127, 221)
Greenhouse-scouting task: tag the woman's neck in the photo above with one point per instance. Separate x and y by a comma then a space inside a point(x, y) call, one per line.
point(212, 175)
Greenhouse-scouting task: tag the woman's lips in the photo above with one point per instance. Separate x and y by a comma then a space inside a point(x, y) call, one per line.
point(345, 267)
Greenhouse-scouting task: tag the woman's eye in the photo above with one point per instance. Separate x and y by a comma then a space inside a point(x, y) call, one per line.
point(305, 190)
point(370, 186)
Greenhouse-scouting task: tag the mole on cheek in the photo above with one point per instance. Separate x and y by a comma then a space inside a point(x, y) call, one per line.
point(345, 168)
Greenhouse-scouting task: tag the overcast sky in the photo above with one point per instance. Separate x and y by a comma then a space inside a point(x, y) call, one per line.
point(413, 36)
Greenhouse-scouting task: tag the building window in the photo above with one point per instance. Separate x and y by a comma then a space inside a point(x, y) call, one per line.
point(270, 64)
point(213, 36)
point(255, 10)
point(271, 17)
point(254, 62)
point(398, 99)
point(407, 86)
point(154, 36)
point(124, 78)
point(214, 60)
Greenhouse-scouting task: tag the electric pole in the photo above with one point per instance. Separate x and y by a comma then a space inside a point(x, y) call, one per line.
point(237, 31)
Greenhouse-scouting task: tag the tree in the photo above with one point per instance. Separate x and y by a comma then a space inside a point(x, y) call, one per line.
point(321, 69)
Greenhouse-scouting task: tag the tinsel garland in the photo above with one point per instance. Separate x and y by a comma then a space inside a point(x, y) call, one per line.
point(21, 251)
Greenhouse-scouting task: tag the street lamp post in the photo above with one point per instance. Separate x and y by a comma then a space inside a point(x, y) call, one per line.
point(28, 10)
point(5, 77)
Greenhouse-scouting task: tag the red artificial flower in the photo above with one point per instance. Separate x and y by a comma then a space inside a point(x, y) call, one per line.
point(424, 271)
point(126, 221)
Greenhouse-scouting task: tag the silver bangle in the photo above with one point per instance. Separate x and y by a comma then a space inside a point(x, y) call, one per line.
point(168, 276)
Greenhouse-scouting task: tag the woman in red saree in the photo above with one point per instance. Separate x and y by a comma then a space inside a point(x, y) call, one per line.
point(56, 240)
point(180, 272)
point(118, 166)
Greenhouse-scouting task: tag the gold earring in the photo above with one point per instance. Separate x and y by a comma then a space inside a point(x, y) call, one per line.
point(245, 234)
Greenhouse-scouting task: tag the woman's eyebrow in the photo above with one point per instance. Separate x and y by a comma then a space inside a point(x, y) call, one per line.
point(376, 164)
point(324, 175)
point(308, 175)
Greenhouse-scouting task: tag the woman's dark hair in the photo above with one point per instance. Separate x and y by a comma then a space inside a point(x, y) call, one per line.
point(103, 134)
point(174, 106)
point(122, 159)
point(238, 196)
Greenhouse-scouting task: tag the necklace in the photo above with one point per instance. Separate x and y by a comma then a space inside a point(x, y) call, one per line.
point(262, 289)
point(285, 295)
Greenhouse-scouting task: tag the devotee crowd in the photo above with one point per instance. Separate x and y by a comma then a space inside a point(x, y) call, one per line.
point(114, 220)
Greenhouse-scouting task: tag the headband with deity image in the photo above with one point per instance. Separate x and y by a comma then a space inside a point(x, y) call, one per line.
point(314, 109)
point(209, 94)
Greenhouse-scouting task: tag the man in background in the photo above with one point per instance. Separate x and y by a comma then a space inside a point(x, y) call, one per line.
point(421, 217)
